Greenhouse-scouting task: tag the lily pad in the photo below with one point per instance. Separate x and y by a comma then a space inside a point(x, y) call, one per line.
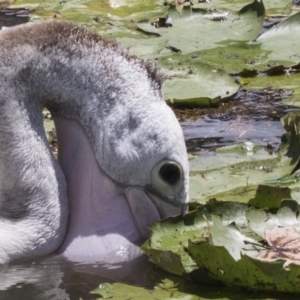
point(270, 196)
point(191, 83)
point(232, 243)
point(173, 287)
point(119, 291)
point(169, 238)
point(272, 7)
point(270, 265)
point(281, 41)
point(275, 47)
point(223, 227)
point(260, 220)
point(191, 28)
point(238, 177)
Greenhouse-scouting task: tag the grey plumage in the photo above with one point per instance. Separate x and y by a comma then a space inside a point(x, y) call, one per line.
point(115, 97)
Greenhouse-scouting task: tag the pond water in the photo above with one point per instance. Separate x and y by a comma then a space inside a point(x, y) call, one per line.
point(252, 118)
point(205, 135)
point(56, 278)
point(12, 16)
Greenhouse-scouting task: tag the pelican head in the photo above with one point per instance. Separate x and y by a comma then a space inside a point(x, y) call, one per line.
point(122, 162)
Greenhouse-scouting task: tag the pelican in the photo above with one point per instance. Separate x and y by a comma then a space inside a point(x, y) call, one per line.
point(122, 162)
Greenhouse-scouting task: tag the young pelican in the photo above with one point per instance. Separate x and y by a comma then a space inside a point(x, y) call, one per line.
point(122, 162)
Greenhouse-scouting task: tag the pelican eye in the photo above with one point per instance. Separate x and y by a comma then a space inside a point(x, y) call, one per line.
point(170, 172)
point(167, 178)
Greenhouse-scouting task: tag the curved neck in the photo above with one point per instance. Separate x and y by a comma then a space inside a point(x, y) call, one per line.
point(33, 201)
point(75, 74)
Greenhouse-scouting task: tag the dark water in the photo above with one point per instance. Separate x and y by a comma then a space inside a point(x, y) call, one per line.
point(207, 134)
point(12, 16)
point(254, 116)
point(57, 279)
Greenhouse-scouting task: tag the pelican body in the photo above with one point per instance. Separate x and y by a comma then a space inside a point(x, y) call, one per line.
point(122, 162)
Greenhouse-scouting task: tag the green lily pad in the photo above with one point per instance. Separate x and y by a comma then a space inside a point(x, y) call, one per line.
point(290, 146)
point(260, 220)
point(234, 176)
point(191, 83)
point(246, 272)
point(282, 7)
point(174, 287)
point(276, 46)
point(228, 241)
point(270, 196)
point(48, 125)
point(119, 291)
point(225, 240)
point(166, 246)
point(191, 27)
point(281, 41)
point(241, 261)
point(110, 18)
point(228, 221)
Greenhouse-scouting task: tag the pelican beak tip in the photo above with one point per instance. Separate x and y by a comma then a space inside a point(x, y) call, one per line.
point(184, 209)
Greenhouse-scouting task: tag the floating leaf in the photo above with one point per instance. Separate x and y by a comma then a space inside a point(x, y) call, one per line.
point(194, 84)
point(281, 41)
point(166, 246)
point(170, 287)
point(248, 175)
point(272, 7)
point(270, 196)
point(241, 258)
point(191, 28)
point(247, 272)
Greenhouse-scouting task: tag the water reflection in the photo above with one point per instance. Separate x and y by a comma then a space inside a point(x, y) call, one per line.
point(13, 16)
point(56, 278)
point(208, 134)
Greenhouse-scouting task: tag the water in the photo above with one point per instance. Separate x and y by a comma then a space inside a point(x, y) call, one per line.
point(57, 279)
point(12, 16)
point(207, 134)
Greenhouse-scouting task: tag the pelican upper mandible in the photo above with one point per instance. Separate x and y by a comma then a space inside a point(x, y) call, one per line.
point(122, 162)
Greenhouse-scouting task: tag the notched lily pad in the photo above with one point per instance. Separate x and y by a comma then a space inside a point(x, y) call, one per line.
point(271, 263)
point(170, 237)
point(270, 196)
point(235, 244)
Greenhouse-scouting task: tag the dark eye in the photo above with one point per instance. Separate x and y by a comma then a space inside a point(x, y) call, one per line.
point(167, 178)
point(170, 173)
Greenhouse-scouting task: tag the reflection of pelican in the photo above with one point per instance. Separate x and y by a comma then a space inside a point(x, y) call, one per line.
point(122, 160)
